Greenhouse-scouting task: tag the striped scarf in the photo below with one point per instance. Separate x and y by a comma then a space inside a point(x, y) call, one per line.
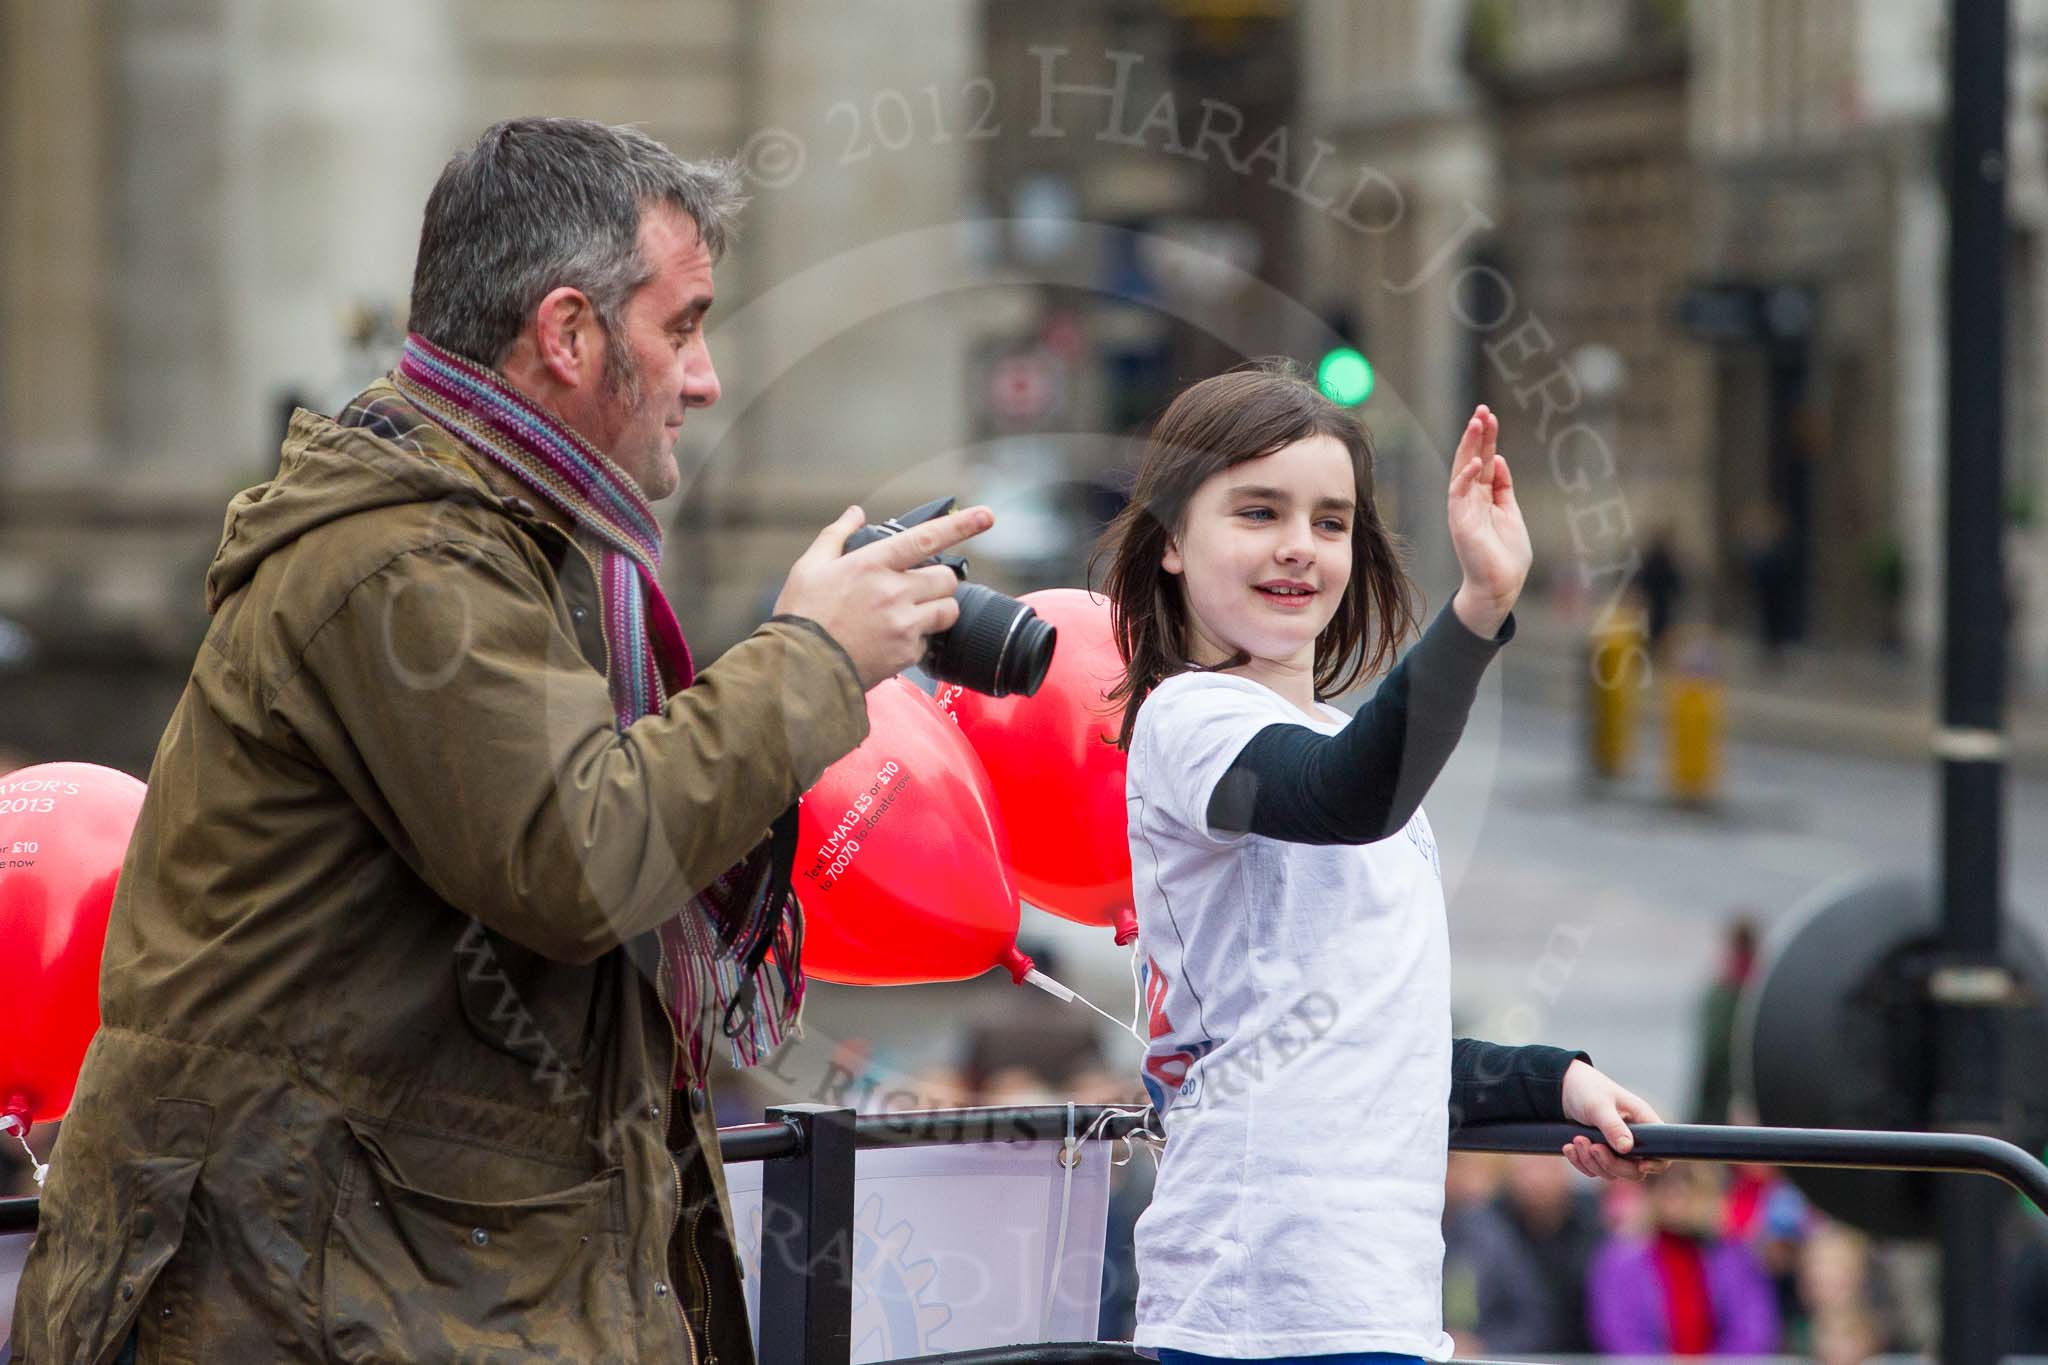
point(715, 952)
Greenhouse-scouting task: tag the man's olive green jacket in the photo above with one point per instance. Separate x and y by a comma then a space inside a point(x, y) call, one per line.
point(383, 1073)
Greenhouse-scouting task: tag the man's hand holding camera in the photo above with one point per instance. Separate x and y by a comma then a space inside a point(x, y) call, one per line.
point(881, 601)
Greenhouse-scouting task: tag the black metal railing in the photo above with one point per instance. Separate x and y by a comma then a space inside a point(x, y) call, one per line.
point(807, 1193)
point(807, 1266)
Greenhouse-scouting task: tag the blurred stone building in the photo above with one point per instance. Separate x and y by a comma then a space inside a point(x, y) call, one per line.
point(948, 281)
point(210, 213)
point(1692, 253)
point(1727, 221)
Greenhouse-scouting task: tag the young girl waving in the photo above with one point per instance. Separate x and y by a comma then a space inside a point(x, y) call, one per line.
point(1290, 905)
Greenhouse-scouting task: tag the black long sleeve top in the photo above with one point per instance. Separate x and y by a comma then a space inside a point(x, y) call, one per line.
point(1365, 783)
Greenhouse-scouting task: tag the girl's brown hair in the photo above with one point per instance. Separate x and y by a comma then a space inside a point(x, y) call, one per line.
point(1248, 412)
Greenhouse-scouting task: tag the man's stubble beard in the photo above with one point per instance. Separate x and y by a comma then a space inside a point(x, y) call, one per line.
point(624, 389)
point(622, 379)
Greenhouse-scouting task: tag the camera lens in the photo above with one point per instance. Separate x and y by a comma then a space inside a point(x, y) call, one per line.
point(998, 646)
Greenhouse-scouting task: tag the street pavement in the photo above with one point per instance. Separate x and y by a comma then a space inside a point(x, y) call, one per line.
point(1589, 916)
point(1627, 894)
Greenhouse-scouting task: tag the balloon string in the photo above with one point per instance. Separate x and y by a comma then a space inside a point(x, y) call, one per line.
point(1120, 1024)
point(1147, 1134)
point(37, 1166)
point(1054, 987)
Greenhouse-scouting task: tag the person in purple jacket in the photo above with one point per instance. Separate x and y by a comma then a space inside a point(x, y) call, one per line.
point(1681, 1289)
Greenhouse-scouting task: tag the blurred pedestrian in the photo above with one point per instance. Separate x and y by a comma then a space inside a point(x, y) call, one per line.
point(1768, 1212)
point(1846, 1336)
point(1715, 1043)
point(1839, 1295)
point(1661, 580)
point(1769, 557)
point(1495, 1296)
point(1683, 1288)
point(1556, 1218)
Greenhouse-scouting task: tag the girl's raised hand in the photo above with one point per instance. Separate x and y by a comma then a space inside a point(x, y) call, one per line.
point(1487, 531)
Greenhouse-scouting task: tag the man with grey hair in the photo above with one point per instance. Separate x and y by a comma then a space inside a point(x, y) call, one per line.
point(453, 869)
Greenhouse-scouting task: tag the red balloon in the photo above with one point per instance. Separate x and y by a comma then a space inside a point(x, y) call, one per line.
point(902, 865)
point(1058, 774)
point(63, 830)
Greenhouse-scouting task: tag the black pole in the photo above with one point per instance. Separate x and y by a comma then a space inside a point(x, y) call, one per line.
point(807, 1241)
point(1969, 984)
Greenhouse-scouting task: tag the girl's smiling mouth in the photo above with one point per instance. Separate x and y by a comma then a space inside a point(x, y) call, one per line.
point(1287, 593)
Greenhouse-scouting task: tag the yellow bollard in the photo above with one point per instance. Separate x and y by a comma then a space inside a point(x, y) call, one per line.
point(1695, 726)
point(1617, 666)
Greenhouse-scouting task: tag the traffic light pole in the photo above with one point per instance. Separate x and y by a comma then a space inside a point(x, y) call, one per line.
point(1969, 985)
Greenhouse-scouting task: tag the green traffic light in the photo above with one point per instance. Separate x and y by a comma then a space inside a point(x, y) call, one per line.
point(1345, 377)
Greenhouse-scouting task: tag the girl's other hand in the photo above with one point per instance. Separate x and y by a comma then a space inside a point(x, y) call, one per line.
point(1591, 1098)
point(1487, 531)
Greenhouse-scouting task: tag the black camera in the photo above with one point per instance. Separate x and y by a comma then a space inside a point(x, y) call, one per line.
point(998, 646)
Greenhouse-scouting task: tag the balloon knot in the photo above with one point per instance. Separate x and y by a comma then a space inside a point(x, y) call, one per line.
point(1017, 964)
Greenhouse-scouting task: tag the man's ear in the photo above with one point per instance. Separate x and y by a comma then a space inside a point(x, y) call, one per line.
point(566, 335)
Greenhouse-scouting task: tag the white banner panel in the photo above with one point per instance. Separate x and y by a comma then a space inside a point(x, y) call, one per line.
point(13, 1254)
point(953, 1246)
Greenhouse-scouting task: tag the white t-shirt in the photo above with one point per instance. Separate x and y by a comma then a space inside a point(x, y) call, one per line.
point(1298, 999)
